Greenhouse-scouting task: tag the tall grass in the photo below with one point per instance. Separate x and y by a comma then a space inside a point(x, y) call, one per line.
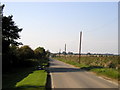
point(104, 61)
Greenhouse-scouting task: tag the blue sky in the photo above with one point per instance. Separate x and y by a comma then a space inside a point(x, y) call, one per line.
point(52, 24)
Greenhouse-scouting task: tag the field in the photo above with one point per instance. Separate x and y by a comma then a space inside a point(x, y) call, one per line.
point(102, 65)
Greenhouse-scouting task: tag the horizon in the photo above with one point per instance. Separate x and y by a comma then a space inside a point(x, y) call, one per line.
point(87, 53)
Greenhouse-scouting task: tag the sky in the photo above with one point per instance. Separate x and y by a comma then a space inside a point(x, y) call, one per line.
point(53, 24)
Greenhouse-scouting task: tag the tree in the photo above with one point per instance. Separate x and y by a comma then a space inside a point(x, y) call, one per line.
point(70, 53)
point(1, 9)
point(47, 53)
point(64, 53)
point(40, 52)
point(10, 33)
point(25, 52)
point(13, 55)
point(88, 53)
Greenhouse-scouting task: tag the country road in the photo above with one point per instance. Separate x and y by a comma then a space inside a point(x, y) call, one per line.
point(67, 76)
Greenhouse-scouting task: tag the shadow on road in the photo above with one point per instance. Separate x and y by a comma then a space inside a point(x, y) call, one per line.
point(62, 69)
point(54, 70)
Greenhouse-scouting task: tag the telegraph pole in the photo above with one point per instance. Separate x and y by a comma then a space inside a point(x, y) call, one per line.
point(65, 50)
point(80, 46)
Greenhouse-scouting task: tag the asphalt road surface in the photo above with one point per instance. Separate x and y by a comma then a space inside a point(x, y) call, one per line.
point(66, 76)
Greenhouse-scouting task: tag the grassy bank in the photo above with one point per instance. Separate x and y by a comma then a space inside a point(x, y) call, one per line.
point(35, 79)
point(11, 78)
point(25, 78)
point(95, 64)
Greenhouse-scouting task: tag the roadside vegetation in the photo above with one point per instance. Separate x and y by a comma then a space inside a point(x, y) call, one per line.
point(38, 78)
point(101, 65)
point(22, 67)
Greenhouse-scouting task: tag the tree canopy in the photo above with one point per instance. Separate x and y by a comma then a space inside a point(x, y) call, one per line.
point(12, 54)
point(10, 32)
point(25, 52)
point(40, 52)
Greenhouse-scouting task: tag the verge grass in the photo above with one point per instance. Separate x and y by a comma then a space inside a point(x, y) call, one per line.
point(109, 72)
point(25, 78)
point(9, 79)
point(35, 79)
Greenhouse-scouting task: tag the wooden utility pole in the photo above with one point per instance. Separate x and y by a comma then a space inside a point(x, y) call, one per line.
point(80, 45)
point(65, 48)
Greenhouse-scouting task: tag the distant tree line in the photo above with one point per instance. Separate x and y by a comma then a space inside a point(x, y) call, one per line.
point(12, 54)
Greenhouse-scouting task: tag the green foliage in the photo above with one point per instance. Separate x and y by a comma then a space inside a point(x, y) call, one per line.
point(40, 53)
point(24, 57)
point(10, 58)
point(10, 32)
point(35, 79)
point(12, 55)
point(112, 73)
point(25, 52)
point(47, 53)
point(15, 79)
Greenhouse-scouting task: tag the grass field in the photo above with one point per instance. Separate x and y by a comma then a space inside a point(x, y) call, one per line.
point(107, 66)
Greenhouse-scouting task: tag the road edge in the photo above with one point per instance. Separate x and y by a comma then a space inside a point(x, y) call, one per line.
point(52, 84)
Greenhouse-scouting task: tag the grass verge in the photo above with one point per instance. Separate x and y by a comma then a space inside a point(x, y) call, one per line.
point(25, 78)
point(109, 72)
point(9, 79)
point(35, 79)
